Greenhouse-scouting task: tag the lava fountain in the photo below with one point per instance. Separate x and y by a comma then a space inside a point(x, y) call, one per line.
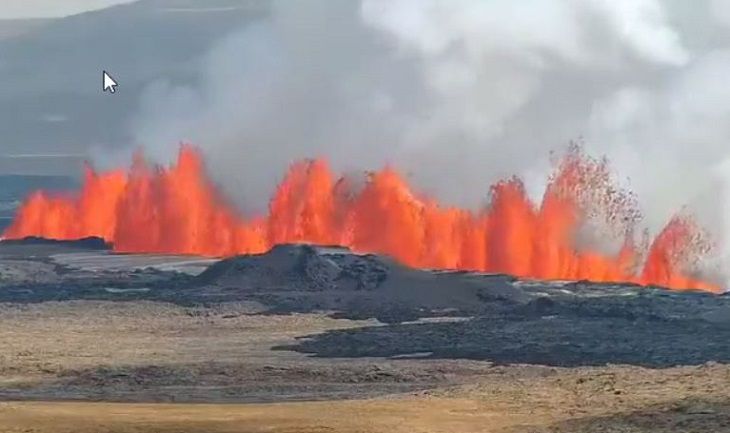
point(177, 209)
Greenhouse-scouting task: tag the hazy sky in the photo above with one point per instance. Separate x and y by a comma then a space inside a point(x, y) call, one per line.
point(51, 8)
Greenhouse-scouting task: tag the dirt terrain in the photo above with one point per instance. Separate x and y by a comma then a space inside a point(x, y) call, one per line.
point(317, 339)
point(514, 399)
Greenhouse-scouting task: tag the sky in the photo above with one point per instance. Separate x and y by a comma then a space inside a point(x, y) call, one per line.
point(11, 9)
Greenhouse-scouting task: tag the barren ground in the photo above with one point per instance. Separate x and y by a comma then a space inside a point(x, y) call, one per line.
point(92, 364)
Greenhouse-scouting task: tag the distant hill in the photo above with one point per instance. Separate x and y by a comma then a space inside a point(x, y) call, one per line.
point(17, 27)
point(50, 71)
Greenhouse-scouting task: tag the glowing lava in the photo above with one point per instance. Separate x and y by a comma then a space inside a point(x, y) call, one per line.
point(179, 210)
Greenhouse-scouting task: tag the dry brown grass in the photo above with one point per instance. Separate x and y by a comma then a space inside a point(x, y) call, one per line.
point(51, 351)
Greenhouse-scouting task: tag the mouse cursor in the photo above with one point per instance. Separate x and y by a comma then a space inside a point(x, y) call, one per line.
point(110, 85)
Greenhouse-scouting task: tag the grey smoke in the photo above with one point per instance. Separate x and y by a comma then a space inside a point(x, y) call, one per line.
point(459, 93)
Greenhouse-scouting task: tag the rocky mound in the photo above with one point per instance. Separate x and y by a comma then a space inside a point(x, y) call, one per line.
point(306, 278)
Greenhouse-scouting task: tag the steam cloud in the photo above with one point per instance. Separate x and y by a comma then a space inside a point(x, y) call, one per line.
point(458, 93)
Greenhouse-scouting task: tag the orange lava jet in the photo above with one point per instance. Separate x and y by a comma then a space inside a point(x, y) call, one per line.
point(179, 210)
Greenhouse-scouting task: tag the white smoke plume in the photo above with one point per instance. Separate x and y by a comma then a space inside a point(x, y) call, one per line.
point(458, 93)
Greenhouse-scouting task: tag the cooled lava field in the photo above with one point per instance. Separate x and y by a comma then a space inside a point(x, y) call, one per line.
point(303, 323)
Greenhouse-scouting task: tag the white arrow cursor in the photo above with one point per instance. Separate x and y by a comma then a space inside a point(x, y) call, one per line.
point(110, 84)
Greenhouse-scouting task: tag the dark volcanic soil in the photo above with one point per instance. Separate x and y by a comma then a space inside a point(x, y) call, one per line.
point(312, 323)
point(303, 278)
point(434, 314)
point(504, 320)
